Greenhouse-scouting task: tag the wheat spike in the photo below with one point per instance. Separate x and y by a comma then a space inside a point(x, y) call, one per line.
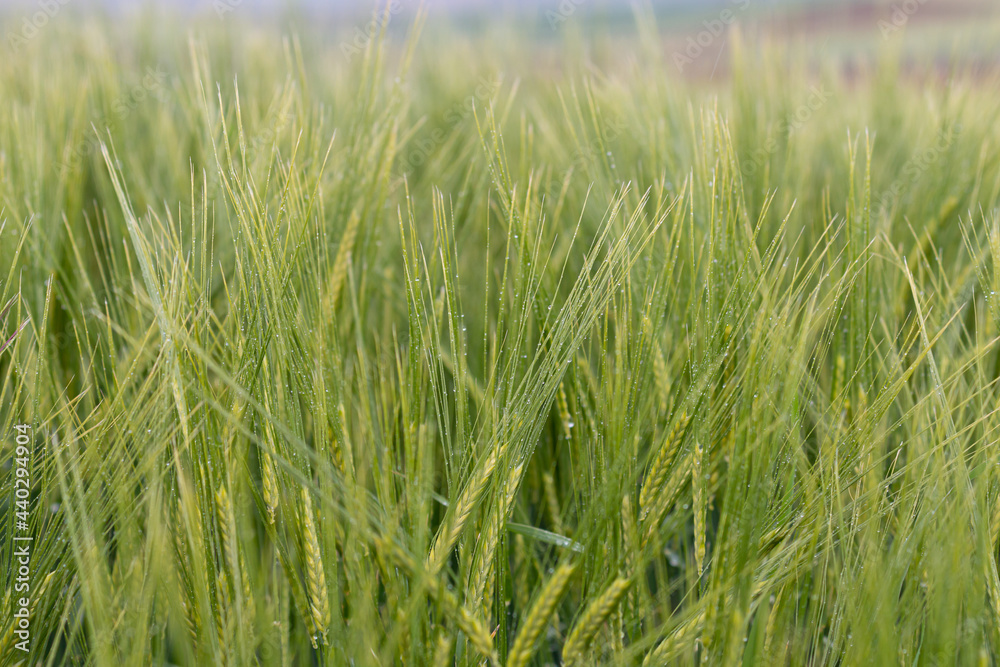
point(250, 606)
point(269, 481)
point(235, 572)
point(230, 430)
point(664, 651)
point(221, 614)
point(772, 538)
point(661, 465)
point(466, 621)
point(188, 602)
point(593, 618)
point(268, 475)
point(480, 585)
point(236, 568)
point(698, 489)
point(618, 629)
point(227, 533)
point(227, 530)
point(341, 261)
point(772, 619)
point(473, 628)
point(538, 617)
point(442, 652)
point(319, 606)
point(564, 417)
point(652, 515)
point(191, 617)
point(336, 451)
point(8, 637)
point(464, 506)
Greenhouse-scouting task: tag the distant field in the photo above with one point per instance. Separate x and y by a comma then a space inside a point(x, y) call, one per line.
point(423, 340)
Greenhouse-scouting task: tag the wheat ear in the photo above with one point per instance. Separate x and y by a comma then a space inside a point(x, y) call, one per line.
point(698, 490)
point(466, 621)
point(593, 618)
point(480, 584)
point(652, 515)
point(665, 650)
point(341, 261)
point(464, 506)
point(319, 605)
point(661, 464)
point(442, 652)
point(538, 618)
point(270, 483)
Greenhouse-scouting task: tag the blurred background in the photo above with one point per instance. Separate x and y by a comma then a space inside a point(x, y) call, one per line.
point(695, 34)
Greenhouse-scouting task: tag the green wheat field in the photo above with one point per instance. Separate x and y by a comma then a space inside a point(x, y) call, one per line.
point(429, 344)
